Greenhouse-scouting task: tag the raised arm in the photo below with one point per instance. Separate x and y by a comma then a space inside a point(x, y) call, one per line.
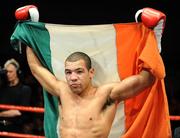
point(131, 86)
point(44, 76)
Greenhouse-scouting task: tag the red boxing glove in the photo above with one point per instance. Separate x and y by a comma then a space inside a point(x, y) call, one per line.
point(153, 19)
point(150, 17)
point(27, 12)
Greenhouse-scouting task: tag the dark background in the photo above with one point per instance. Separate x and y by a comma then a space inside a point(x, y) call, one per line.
point(104, 13)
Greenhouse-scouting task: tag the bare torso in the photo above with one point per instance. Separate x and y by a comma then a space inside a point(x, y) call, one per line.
point(88, 117)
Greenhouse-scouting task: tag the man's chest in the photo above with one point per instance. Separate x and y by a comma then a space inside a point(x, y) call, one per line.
point(85, 110)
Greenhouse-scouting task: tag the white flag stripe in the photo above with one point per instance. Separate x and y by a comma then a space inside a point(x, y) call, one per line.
point(99, 42)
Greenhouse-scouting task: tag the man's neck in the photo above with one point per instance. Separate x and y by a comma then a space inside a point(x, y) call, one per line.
point(14, 83)
point(89, 92)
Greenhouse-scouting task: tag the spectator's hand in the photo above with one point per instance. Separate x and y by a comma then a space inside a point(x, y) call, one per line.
point(15, 112)
point(10, 113)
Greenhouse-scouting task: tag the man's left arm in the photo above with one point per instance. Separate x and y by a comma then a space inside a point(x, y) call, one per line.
point(132, 86)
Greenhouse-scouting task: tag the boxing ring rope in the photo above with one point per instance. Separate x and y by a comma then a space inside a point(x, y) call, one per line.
point(174, 118)
point(17, 135)
point(21, 108)
point(40, 110)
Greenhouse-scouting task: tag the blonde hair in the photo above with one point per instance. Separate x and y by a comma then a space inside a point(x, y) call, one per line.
point(13, 62)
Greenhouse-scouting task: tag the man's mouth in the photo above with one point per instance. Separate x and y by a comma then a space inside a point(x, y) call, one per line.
point(74, 85)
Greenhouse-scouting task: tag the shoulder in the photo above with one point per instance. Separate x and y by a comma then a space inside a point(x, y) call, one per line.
point(61, 87)
point(107, 87)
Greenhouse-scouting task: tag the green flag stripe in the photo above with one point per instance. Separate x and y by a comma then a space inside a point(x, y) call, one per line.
point(35, 35)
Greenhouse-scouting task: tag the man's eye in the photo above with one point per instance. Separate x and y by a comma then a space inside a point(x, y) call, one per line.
point(68, 72)
point(79, 71)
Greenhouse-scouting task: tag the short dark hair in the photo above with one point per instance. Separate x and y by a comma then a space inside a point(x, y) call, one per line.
point(79, 55)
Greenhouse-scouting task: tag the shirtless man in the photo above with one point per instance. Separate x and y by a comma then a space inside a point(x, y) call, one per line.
point(86, 111)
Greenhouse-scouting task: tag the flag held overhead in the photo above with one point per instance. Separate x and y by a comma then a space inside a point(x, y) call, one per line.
point(117, 51)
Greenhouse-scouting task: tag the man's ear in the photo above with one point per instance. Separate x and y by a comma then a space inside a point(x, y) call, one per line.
point(92, 72)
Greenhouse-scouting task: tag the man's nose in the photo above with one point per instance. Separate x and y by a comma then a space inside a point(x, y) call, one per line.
point(73, 76)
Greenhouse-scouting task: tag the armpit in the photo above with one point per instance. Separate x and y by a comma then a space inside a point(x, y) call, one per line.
point(109, 102)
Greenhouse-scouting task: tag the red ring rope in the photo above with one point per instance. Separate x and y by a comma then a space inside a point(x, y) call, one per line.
point(39, 110)
point(175, 118)
point(22, 108)
point(17, 135)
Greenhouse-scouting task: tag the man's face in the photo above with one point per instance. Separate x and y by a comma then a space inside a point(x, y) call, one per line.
point(11, 73)
point(77, 75)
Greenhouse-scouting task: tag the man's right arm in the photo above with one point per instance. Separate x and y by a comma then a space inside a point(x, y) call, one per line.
point(43, 75)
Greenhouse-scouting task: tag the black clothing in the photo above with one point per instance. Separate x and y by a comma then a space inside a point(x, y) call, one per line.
point(15, 95)
point(177, 132)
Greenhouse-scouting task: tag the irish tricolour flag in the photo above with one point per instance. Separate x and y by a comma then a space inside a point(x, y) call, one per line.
point(117, 51)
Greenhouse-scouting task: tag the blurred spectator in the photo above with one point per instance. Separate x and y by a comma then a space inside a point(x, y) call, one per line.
point(36, 122)
point(14, 93)
point(2, 77)
point(177, 132)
